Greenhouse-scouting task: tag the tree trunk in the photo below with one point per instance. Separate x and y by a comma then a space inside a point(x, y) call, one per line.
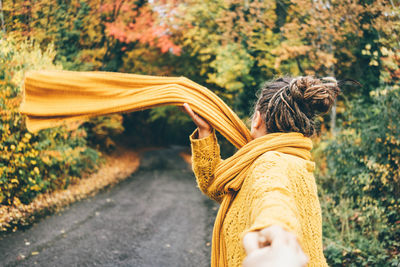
point(333, 119)
point(3, 27)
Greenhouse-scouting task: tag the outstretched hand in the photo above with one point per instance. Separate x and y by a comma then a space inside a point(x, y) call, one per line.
point(273, 247)
point(205, 129)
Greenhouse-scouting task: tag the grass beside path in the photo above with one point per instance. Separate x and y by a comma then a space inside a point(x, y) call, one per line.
point(117, 166)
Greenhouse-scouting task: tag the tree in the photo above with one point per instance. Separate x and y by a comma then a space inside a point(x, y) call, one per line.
point(233, 40)
point(89, 34)
point(327, 37)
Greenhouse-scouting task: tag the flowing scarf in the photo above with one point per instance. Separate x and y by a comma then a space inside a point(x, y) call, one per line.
point(52, 98)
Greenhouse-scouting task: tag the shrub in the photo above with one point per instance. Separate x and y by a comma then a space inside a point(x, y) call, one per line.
point(361, 186)
point(104, 130)
point(33, 163)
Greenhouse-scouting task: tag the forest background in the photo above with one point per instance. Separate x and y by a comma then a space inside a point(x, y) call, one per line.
point(232, 47)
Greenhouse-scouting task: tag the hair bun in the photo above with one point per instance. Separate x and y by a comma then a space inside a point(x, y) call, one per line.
point(317, 95)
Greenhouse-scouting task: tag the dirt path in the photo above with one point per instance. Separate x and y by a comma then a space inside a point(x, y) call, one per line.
point(157, 217)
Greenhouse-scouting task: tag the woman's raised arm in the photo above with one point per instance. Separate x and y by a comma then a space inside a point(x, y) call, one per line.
point(205, 153)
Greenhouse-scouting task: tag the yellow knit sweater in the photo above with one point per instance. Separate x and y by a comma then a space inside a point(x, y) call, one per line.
point(279, 190)
point(54, 97)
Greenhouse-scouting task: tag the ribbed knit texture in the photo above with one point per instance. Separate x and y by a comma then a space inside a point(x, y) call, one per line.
point(52, 98)
point(278, 189)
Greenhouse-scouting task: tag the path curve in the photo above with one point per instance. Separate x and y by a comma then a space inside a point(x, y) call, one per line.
point(157, 217)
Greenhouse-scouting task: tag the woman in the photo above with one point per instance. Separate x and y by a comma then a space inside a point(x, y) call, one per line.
point(274, 219)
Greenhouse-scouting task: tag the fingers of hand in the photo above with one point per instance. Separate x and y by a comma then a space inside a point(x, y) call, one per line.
point(251, 242)
point(272, 234)
point(198, 120)
point(186, 108)
point(278, 256)
point(260, 258)
point(258, 239)
point(189, 111)
point(303, 259)
point(283, 242)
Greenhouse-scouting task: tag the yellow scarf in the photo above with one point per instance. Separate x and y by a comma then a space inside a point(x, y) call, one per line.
point(54, 97)
point(230, 175)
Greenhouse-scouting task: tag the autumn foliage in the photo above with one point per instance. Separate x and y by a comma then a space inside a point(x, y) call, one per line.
point(232, 47)
point(34, 163)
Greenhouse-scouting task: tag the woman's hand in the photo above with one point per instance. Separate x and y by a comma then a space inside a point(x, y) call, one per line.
point(204, 127)
point(273, 247)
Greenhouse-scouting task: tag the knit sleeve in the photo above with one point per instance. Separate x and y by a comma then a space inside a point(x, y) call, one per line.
point(273, 201)
point(205, 158)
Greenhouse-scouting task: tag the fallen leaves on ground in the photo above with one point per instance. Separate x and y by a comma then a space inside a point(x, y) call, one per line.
point(118, 166)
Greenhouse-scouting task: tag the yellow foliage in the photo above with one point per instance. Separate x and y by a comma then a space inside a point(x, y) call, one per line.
point(35, 187)
point(24, 173)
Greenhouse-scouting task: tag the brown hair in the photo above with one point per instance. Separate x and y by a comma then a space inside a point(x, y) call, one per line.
point(290, 104)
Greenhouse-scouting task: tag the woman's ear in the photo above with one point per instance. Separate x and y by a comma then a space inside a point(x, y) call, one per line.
point(258, 127)
point(257, 120)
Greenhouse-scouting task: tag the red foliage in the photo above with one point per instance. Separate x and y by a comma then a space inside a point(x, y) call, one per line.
point(131, 23)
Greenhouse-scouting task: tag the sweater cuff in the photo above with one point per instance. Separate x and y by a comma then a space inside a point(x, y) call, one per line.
point(203, 142)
